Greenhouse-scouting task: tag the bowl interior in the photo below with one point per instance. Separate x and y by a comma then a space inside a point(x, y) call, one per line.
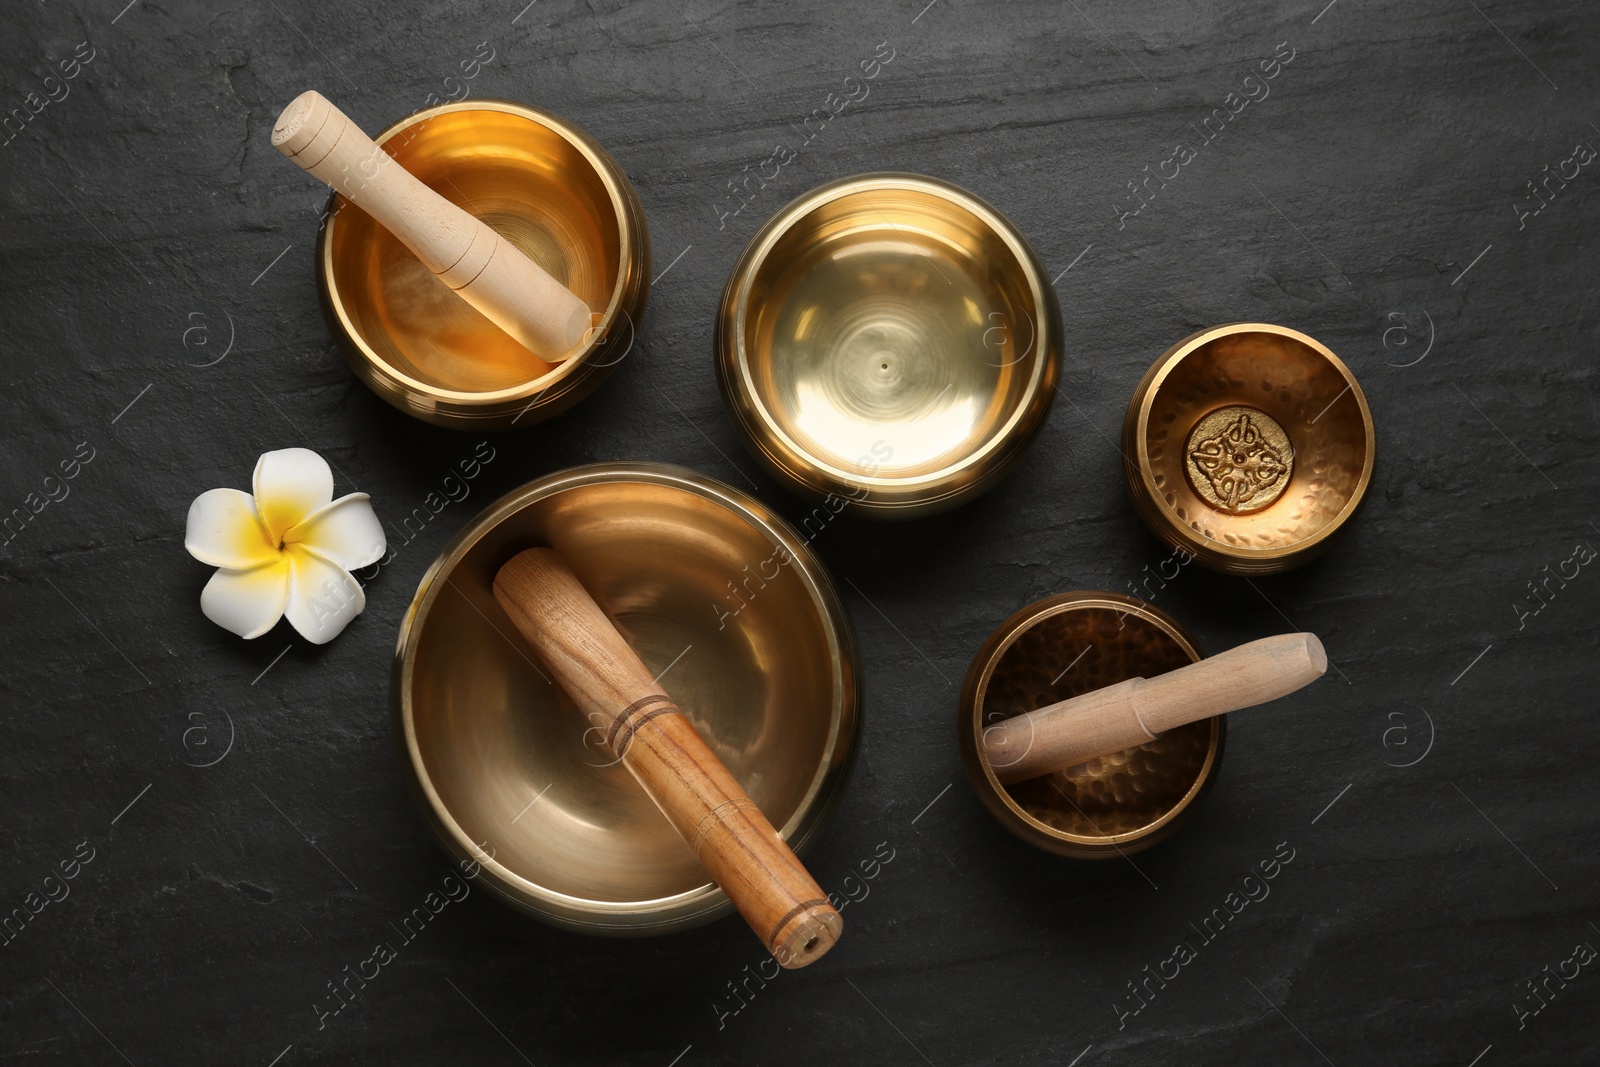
point(507, 752)
point(525, 179)
point(890, 333)
point(1292, 492)
point(1075, 650)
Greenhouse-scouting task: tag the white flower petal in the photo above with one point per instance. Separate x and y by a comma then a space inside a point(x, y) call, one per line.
point(346, 532)
point(247, 602)
point(225, 531)
point(323, 597)
point(290, 484)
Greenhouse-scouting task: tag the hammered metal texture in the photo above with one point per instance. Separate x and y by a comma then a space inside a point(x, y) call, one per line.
point(1297, 383)
point(1063, 647)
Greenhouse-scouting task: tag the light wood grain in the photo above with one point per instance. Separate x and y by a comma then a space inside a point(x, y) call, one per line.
point(1132, 712)
point(467, 254)
point(645, 731)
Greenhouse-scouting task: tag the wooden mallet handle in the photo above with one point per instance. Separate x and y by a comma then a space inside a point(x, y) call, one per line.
point(647, 733)
point(1138, 710)
point(483, 268)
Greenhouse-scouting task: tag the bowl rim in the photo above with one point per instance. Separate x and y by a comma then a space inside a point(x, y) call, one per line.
point(1138, 422)
point(610, 175)
point(708, 900)
point(970, 728)
point(735, 355)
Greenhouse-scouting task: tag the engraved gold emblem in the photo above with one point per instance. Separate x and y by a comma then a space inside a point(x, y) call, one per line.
point(1238, 459)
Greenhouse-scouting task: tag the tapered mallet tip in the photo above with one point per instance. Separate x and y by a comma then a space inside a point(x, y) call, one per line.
point(1315, 653)
point(300, 122)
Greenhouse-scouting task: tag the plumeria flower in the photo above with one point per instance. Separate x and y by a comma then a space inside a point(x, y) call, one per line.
point(288, 550)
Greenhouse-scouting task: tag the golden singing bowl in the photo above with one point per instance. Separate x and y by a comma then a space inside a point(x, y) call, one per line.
point(551, 191)
point(890, 339)
point(1248, 446)
point(716, 594)
point(1061, 647)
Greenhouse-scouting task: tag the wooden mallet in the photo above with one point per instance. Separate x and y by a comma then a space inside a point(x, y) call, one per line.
point(483, 268)
point(1140, 709)
point(647, 733)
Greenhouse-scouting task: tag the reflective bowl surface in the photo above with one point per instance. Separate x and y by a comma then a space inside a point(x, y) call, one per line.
point(715, 593)
point(551, 191)
point(890, 339)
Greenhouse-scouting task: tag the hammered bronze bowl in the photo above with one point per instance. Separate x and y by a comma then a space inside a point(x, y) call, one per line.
point(716, 594)
point(890, 340)
point(1248, 446)
point(1061, 647)
point(551, 191)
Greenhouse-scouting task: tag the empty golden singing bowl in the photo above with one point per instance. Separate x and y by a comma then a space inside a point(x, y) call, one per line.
point(890, 339)
point(551, 191)
point(1061, 647)
point(716, 594)
point(1248, 446)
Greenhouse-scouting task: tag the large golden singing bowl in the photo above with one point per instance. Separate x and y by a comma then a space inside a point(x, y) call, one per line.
point(1062, 647)
point(553, 193)
point(889, 339)
point(716, 594)
point(1248, 446)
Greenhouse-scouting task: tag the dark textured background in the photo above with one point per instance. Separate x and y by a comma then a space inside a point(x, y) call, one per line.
point(1388, 156)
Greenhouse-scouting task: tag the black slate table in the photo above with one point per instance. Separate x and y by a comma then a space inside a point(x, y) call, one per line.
point(1437, 792)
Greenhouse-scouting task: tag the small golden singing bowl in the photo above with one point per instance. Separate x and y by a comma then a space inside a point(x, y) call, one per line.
point(551, 191)
point(1061, 647)
point(1248, 446)
point(716, 594)
point(890, 339)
